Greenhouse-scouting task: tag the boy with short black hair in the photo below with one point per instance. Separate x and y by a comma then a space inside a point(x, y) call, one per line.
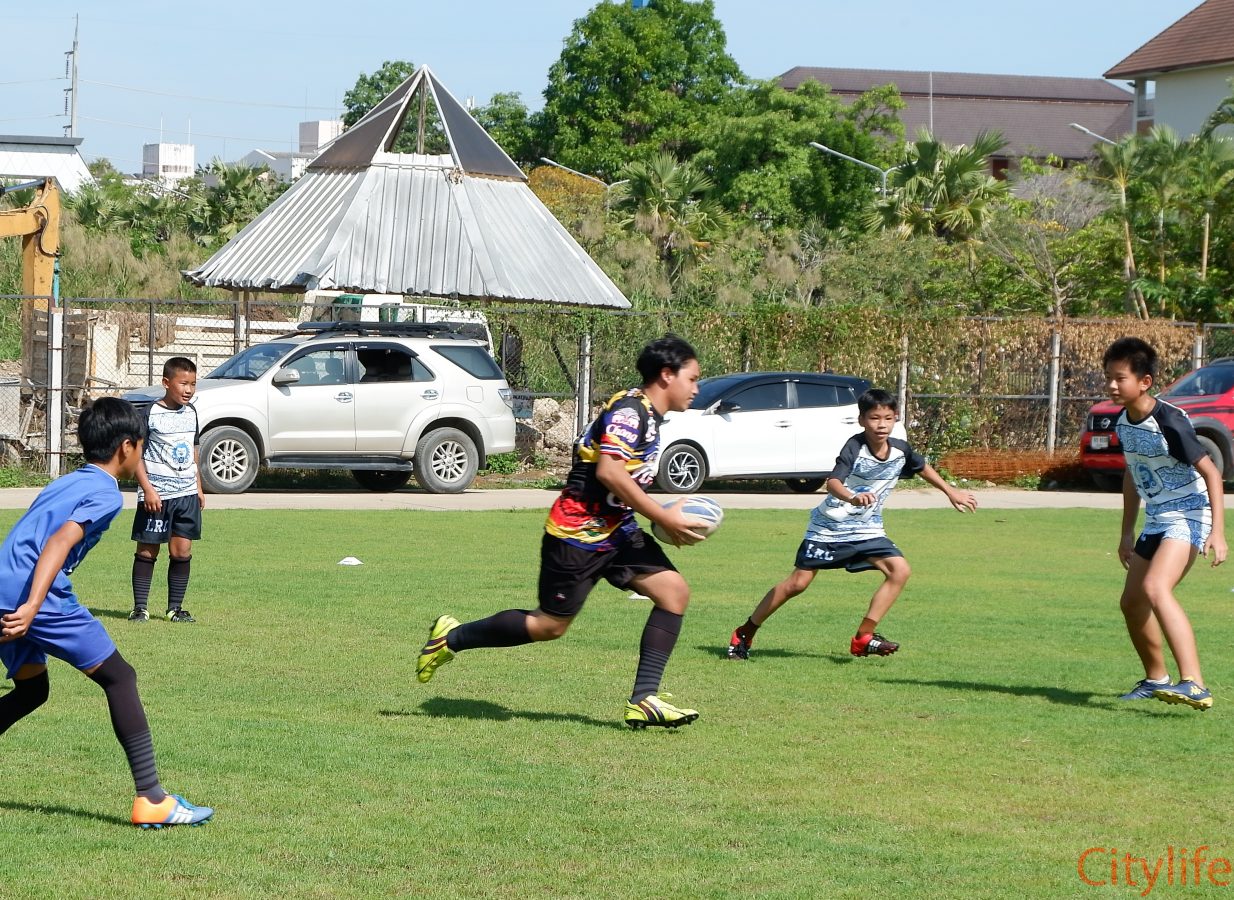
point(591, 533)
point(1184, 517)
point(170, 496)
point(41, 616)
point(846, 529)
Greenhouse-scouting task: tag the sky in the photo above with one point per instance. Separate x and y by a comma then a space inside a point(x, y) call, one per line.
point(233, 76)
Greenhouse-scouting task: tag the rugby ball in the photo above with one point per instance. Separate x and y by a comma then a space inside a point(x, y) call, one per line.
point(704, 509)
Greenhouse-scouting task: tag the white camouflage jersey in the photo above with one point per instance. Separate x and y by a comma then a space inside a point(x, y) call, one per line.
point(861, 471)
point(1161, 452)
point(170, 461)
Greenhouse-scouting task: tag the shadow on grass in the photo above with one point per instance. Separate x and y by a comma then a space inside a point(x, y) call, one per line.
point(445, 708)
point(111, 613)
point(49, 809)
point(776, 653)
point(1054, 695)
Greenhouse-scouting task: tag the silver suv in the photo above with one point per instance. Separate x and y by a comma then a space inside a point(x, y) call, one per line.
point(382, 400)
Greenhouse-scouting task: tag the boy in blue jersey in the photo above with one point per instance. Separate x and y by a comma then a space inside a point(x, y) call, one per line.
point(170, 496)
point(591, 533)
point(846, 529)
point(40, 615)
point(1184, 518)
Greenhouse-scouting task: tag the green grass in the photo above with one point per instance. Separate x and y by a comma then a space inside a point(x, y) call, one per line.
point(980, 761)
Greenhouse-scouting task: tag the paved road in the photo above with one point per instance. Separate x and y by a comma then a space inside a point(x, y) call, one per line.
point(993, 498)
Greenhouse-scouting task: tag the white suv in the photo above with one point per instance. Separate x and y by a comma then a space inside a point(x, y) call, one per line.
point(382, 400)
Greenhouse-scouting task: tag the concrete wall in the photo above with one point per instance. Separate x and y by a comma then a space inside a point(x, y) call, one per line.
point(1186, 99)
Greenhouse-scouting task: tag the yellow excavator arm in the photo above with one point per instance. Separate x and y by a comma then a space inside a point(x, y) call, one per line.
point(38, 226)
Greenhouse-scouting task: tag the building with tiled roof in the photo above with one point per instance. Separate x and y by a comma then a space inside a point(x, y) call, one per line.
point(1034, 113)
point(1184, 73)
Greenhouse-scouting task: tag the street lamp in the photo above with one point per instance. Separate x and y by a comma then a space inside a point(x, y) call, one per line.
point(1101, 137)
point(883, 172)
point(545, 159)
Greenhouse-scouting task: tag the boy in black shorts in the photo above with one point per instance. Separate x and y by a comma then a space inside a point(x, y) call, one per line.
point(591, 533)
point(846, 529)
point(170, 497)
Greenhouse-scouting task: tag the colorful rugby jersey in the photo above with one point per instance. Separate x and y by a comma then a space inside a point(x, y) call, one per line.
point(586, 514)
point(1161, 452)
point(169, 458)
point(861, 471)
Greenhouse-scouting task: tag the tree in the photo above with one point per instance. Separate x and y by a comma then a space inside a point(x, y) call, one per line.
point(1119, 167)
point(507, 122)
point(666, 200)
point(1163, 176)
point(633, 82)
point(757, 148)
point(940, 189)
point(1210, 172)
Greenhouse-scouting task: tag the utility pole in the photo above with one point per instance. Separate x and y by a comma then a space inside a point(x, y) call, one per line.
point(70, 72)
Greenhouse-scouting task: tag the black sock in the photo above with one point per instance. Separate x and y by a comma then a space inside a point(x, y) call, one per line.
point(659, 638)
point(128, 719)
point(505, 629)
point(28, 694)
point(143, 574)
point(177, 581)
point(747, 631)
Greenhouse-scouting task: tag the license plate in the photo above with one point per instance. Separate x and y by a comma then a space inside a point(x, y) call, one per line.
point(1100, 442)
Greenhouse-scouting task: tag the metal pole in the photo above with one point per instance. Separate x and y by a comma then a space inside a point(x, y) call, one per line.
point(582, 412)
point(150, 343)
point(235, 322)
point(1197, 349)
point(902, 380)
point(55, 377)
point(1056, 342)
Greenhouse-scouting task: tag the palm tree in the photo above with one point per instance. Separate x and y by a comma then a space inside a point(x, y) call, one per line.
point(1210, 164)
point(1119, 166)
point(1163, 174)
point(667, 200)
point(941, 190)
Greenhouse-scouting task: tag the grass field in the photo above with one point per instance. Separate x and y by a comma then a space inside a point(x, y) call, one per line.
point(980, 761)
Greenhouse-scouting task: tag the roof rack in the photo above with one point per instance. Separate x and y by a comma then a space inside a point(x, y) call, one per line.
point(401, 329)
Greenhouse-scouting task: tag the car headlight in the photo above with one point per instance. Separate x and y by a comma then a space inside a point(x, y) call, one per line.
point(507, 395)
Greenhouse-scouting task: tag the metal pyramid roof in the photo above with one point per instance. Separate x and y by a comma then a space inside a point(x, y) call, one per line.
point(458, 225)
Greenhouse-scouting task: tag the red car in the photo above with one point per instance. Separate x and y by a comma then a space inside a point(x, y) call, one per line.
point(1206, 395)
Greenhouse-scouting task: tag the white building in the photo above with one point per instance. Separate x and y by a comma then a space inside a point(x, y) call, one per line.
point(25, 157)
point(168, 162)
point(1183, 74)
point(315, 135)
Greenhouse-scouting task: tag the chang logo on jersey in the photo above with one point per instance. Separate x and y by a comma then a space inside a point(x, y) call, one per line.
point(623, 425)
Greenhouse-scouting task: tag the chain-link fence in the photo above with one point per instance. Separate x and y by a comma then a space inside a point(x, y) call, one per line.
point(1014, 384)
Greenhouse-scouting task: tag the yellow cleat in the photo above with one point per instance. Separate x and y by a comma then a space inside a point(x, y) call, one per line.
point(435, 652)
point(656, 713)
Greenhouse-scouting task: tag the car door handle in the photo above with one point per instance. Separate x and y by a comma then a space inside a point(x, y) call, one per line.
point(848, 421)
point(429, 394)
point(343, 396)
point(784, 423)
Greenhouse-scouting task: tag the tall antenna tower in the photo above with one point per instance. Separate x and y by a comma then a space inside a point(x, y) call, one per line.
point(70, 92)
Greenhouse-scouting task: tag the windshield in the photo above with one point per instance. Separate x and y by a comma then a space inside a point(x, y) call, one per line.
point(252, 363)
point(710, 389)
point(1203, 383)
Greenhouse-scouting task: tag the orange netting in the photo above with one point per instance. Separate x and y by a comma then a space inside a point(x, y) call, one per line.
point(1007, 465)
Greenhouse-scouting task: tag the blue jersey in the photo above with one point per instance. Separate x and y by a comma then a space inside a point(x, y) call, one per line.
point(1161, 451)
point(861, 471)
point(91, 498)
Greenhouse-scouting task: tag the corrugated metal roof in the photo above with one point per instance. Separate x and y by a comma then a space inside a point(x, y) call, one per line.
point(1203, 37)
point(958, 84)
point(462, 225)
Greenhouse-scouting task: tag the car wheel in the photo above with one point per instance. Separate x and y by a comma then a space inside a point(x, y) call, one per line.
point(446, 461)
point(229, 460)
point(1107, 481)
point(682, 469)
point(1214, 453)
point(804, 485)
point(379, 480)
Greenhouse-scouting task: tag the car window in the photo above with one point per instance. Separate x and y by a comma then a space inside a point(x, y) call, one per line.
point(388, 363)
point(473, 360)
point(772, 395)
point(1204, 383)
point(251, 363)
point(325, 365)
point(813, 394)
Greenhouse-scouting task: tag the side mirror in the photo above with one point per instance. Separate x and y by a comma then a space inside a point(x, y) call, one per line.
point(285, 376)
point(723, 406)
